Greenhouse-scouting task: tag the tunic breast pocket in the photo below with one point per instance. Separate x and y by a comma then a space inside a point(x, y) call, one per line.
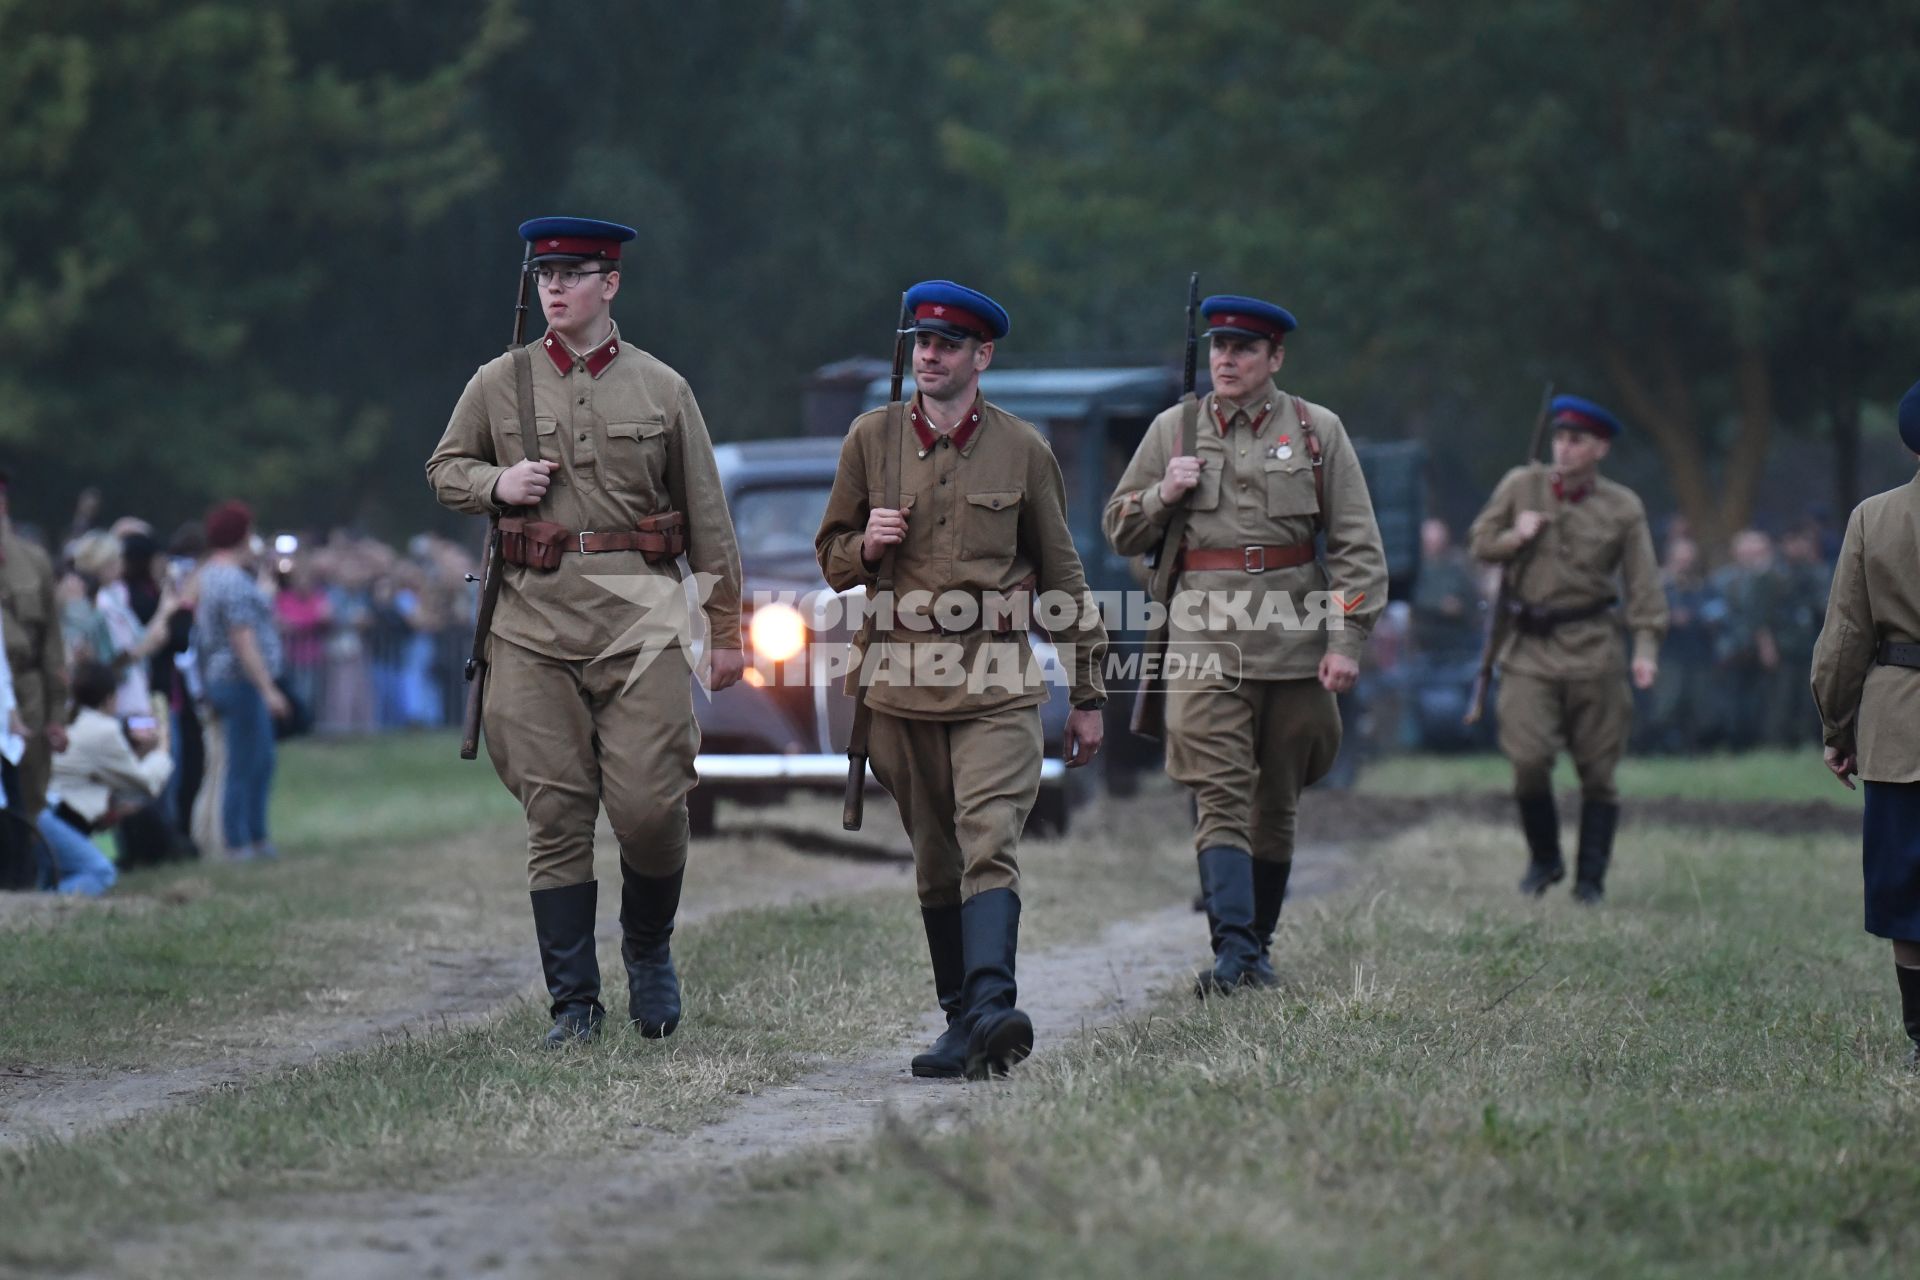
point(636, 460)
point(1290, 486)
point(1205, 494)
point(991, 530)
point(516, 450)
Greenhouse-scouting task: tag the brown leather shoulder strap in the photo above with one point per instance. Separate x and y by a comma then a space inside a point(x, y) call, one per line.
point(1312, 439)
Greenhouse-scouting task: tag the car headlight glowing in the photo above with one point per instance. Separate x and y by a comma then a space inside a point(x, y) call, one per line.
point(777, 632)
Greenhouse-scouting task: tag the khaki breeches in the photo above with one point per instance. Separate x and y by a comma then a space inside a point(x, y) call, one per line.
point(1248, 753)
point(964, 788)
point(1588, 718)
point(567, 736)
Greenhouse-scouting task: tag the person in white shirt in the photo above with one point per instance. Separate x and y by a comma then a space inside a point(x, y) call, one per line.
point(98, 774)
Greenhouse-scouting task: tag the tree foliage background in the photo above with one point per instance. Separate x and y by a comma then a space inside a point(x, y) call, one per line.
point(256, 248)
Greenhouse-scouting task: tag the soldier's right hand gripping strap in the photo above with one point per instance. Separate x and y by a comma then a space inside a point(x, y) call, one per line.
point(890, 484)
point(1160, 585)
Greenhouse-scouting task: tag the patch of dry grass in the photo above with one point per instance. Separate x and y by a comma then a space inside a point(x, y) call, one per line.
point(1701, 1079)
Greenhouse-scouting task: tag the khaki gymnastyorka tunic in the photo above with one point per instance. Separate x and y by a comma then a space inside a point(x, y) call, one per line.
point(1568, 687)
point(569, 721)
point(956, 728)
point(1248, 739)
point(1871, 709)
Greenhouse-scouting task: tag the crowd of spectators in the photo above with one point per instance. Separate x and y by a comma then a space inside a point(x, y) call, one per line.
point(180, 667)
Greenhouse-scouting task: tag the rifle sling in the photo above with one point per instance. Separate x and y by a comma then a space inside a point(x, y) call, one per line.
point(523, 392)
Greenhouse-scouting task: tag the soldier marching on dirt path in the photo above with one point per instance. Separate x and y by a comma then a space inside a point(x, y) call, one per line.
point(951, 496)
point(595, 459)
point(1267, 474)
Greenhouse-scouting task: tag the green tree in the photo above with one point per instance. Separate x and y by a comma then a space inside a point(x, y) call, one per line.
point(1699, 212)
point(191, 199)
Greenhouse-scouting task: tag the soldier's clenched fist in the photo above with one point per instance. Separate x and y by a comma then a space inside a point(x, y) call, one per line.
point(886, 527)
point(524, 483)
point(1183, 473)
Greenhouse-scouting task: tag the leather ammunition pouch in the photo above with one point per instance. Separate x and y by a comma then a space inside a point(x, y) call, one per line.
point(1538, 620)
point(532, 544)
point(539, 544)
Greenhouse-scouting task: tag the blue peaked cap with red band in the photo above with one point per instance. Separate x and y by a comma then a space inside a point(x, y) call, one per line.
point(575, 239)
point(1247, 317)
point(955, 311)
point(1583, 415)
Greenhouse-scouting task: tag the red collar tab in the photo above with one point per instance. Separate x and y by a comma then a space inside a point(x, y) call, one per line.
point(597, 359)
point(1259, 420)
point(923, 431)
point(1561, 491)
point(958, 317)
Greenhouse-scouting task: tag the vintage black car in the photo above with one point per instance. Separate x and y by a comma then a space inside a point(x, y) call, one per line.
point(785, 726)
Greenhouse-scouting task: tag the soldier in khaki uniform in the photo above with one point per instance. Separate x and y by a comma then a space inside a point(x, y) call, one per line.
point(30, 617)
point(1866, 683)
point(978, 527)
point(589, 701)
point(1269, 473)
point(1561, 660)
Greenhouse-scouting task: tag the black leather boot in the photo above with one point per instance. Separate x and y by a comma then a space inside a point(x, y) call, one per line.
point(998, 1034)
point(1227, 874)
point(1540, 822)
point(1910, 1010)
point(948, 1056)
point(563, 926)
point(648, 905)
point(1269, 892)
point(1597, 821)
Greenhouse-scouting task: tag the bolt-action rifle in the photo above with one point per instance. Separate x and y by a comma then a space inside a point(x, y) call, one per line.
point(490, 563)
point(1496, 630)
point(853, 811)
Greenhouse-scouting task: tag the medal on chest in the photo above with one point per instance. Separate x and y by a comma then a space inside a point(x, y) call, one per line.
point(1281, 448)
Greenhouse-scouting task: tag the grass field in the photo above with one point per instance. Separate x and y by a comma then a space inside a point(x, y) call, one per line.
point(775, 991)
point(122, 980)
point(1758, 776)
point(1702, 1078)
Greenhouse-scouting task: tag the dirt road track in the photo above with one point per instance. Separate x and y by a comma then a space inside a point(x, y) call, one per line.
point(448, 987)
point(604, 1215)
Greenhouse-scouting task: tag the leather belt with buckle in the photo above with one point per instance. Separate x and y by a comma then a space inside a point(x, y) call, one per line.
point(1251, 559)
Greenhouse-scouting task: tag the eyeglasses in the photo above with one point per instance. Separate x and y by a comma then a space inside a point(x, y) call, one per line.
point(567, 277)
